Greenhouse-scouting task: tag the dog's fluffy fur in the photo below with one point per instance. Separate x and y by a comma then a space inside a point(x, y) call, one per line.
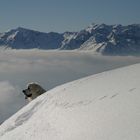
point(33, 90)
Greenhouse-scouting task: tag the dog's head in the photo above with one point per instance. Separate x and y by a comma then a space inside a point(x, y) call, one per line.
point(33, 90)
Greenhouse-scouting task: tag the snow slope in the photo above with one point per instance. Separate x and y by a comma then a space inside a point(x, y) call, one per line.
point(104, 106)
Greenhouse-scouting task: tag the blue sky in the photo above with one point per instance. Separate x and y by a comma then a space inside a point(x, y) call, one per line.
point(66, 15)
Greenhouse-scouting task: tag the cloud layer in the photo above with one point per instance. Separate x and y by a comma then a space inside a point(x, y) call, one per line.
point(10, 100)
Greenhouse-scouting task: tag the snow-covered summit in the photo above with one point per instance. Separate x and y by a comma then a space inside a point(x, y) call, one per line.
point(107, 39)
point(104, 106)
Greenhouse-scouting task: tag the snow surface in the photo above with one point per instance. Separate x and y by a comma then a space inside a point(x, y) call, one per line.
point(104, 106)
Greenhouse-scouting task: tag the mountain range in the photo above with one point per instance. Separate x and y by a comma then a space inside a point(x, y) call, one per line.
point(100, 38)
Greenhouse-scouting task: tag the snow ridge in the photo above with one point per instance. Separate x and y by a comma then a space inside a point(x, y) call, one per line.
point(103, 106)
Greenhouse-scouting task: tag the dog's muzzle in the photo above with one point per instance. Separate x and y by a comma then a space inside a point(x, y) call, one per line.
point(26, 95)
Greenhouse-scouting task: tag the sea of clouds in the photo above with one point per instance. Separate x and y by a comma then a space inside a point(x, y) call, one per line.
point(49, 69)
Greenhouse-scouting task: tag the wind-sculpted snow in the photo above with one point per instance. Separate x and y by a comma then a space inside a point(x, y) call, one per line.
point(104, 106)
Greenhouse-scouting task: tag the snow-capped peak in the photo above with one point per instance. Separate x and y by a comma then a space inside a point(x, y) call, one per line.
point(21, 38)
point(91, 27)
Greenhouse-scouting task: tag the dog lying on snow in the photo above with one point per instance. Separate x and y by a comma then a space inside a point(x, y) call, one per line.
point(33, 90)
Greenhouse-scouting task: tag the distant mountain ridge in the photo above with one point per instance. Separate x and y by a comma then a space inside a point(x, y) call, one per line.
point(22, 38)
point(101, 38)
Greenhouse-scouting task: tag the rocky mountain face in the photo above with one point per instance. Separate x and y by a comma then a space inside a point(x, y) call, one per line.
point(107, 39)
point(101, 38)
point(21, 38)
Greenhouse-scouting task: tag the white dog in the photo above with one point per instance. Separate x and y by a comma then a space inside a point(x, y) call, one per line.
point(33, 90)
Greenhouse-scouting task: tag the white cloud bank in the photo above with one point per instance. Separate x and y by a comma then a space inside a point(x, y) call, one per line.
point(10, 100)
